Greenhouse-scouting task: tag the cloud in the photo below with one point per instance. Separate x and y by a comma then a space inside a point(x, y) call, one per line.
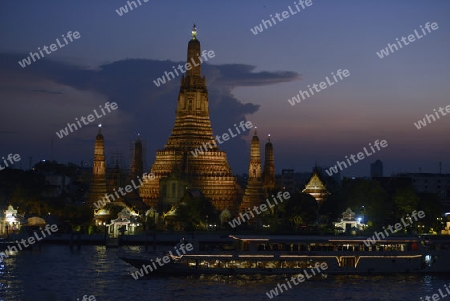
point(60, 92)
point(234, 75)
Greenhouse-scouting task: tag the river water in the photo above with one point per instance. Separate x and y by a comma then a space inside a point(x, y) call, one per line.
point(55, 273)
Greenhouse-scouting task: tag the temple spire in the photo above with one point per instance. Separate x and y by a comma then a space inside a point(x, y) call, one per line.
point(254, 169)
point(194, 60)
point(254, 194)
point(194, 32)
point(269, 166)
point(97, 190)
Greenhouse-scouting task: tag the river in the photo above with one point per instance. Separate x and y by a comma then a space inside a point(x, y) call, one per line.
point(56, 273)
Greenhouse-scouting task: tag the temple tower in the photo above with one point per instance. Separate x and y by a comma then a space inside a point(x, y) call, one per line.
point(97, 189)
point(207, 170)
point(254, 194)
point(269, 167)
point(315, 187)
point(137, 169)
point(115, 180)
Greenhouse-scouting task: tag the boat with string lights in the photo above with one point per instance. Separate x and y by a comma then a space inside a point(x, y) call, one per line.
point(277, 255)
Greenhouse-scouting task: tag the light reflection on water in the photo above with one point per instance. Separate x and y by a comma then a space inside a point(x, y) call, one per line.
point(55, 273)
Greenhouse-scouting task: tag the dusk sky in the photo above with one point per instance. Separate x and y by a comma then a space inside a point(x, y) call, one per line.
point(251, 77)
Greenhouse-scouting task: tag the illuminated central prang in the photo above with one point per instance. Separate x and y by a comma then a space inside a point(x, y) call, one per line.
point(175, 168)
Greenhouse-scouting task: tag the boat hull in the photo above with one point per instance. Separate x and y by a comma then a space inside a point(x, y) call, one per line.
point(283, 264)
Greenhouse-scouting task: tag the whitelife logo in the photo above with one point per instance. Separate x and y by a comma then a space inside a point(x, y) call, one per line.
point(322, 85)
point(31, 240)
point(379, 235)
point(423, 122)
point(204, 148)
point(87, 298)
point(263, 207)
point(411, 38)
point(106, 199)
point(90, 118)
point(11, 158)
point(162, 80)
point(166, 259)
point(436, 297)
point(284, 15)
point(320, 267)
point(360, 156)
point(27, 61)
point(124, 9)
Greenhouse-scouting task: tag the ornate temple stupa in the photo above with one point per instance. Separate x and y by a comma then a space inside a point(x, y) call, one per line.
point(269, 167)
point(97, 189)
point(254, 193)
point(316, 188)
point(209, 171)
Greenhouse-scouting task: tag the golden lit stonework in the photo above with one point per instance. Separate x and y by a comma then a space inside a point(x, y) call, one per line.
point(316, 188)
point(97, 189)
point(254, 193)
point(209, 171)
point(269, 167)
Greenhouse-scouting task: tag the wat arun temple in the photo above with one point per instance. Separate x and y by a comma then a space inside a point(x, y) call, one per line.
point(208, 172)
point(177, 171)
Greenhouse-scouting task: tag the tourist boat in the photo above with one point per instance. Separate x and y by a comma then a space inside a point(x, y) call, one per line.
point(276, 255)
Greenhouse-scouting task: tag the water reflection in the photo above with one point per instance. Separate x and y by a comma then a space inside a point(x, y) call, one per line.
point(56, 273)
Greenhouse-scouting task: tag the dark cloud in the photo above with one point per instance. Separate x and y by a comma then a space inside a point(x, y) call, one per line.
point(234, 75)
point(45, 91)
point(129, 83)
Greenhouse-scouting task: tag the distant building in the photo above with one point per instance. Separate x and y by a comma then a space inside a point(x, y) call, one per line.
point(55, 185)
point(348, 223)
point(431, 183)
point(10, 221)
point(376, 169)
point(285, 180)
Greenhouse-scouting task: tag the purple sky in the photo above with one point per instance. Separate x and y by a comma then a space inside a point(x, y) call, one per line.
point(251, 78)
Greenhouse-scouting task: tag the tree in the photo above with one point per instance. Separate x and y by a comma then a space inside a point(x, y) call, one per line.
point(431, 205)
point(406, 201)
point(195, 212)
point(299, 209)
point(333, 206)
point(77, 215)
point(370, 194)
point(28, 201)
